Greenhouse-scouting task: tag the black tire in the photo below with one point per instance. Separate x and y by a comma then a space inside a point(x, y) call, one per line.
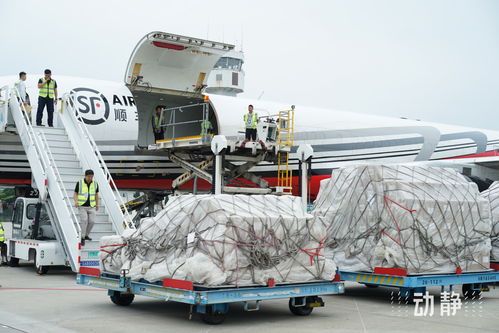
point(122, 299)
point(12, 261)
point(299, 310)
point(213, 318)
point(42, 270)
point(368, 285)
point(469, 293)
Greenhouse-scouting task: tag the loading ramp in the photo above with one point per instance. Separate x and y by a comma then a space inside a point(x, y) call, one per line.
point(188, 142)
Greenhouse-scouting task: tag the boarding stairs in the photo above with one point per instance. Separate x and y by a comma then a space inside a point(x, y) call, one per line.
point(58, 158)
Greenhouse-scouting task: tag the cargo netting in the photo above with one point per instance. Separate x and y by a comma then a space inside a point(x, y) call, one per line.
point(492, 196)
point(421, 219)
point(223, 240)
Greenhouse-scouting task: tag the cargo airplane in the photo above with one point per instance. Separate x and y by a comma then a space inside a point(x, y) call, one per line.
point(171, 70)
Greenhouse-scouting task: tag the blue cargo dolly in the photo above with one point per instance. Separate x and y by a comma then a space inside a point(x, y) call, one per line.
point(473, 283)
point(213, 303)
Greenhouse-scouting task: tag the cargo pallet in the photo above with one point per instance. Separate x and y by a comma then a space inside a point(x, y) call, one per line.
point(212, 303)
point(473, 283)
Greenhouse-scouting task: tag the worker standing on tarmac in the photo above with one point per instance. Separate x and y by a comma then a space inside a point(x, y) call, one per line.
point(86, 197)
point(47, 96)
point(2, 242)
point(159, 131)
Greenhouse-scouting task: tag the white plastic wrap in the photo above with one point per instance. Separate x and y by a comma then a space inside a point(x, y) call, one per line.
point(422, 219)
point(223, 240)
point(492, 196)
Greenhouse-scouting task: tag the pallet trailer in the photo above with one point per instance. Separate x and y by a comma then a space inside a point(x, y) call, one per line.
point(212, 303)
point(473, 283)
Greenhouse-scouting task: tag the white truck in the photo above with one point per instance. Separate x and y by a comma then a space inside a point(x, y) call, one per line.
point(33, 238)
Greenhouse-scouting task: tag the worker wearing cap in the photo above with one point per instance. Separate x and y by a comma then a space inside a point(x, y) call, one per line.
point(156, 124)
point(47, 95)
point(86, 197)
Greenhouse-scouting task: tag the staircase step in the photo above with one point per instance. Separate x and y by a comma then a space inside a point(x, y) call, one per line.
point(71, 179)
point(70, 171)
point(60, 143)
point(102, 227)
point(50, 130)
point(62, 151)
point(65, 157)
point(69, 164)
point(56, 137)
point(97, 235)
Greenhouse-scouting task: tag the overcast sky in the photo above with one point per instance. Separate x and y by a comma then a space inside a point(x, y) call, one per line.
point(433, 60)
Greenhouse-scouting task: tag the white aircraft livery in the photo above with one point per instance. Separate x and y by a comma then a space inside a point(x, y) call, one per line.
point(171, 70)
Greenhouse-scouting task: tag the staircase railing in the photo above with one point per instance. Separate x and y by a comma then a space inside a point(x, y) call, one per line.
point(48, 180)
point(91, 158)
point(4, 107)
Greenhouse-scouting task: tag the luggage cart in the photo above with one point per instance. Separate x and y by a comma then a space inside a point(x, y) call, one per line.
point(212, 303)
point(472, 283)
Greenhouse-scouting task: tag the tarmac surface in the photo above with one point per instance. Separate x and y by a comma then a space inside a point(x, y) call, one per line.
point(55, 303)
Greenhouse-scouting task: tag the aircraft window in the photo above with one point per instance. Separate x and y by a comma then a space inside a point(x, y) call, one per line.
point(219, 77)
point(230, 63)
point(234, 64)
point(221, 63)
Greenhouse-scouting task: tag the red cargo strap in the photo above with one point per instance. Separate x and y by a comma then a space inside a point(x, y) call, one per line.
point(315, 251)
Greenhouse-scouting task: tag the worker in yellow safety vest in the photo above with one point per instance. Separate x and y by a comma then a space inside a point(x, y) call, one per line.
point(47, 96)
point(158, 130)
point(250, 124)
point(2, 241)
point(86, 197)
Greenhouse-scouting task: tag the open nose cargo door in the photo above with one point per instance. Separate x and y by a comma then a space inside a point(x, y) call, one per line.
point(178, 64)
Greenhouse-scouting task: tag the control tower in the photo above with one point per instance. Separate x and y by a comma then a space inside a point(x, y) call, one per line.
point(227, 76)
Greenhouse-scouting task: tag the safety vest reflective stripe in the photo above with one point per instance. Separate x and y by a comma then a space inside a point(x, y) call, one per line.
point(84, 191)
point(2, 235)
point(253, 122)
point(47, 90)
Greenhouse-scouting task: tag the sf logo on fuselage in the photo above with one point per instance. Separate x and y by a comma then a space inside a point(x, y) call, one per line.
point(91, 105)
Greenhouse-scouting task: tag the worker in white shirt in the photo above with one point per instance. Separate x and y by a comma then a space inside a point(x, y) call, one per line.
point(21, 88)
point(22, 93)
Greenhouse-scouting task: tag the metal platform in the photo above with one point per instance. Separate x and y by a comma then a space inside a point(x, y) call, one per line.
point(213, 303)
point(408, 284)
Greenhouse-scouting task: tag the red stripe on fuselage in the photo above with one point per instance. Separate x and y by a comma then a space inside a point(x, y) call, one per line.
point(165, 184)
point(484, 154)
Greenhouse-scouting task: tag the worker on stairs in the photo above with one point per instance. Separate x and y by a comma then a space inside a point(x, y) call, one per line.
point(47, 96)
point(250, 124)
point(86, 197)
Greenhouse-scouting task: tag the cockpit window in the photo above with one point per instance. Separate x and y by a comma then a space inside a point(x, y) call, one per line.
point(229, 63)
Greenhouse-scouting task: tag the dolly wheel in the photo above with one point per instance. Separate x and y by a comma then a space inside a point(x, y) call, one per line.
point(469, 293)
point(369, 285)
point(213, 318)
point(122, 299)
point(304, 310)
